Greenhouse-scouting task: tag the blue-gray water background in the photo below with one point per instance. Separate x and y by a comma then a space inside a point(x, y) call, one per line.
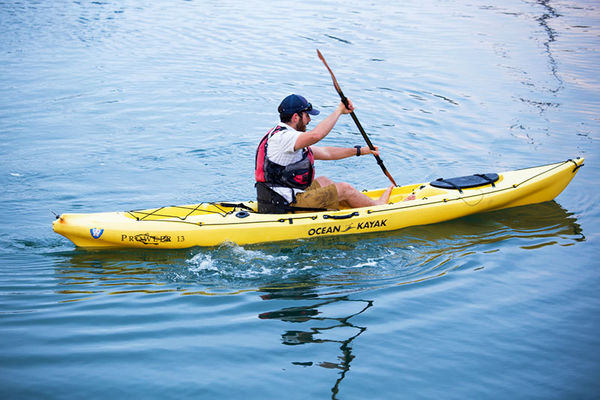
point(116, 105)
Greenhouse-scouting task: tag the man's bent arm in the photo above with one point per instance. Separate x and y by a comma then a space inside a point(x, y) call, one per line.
point(322, 129)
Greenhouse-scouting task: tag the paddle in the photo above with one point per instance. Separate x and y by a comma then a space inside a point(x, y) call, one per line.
point(358, 125)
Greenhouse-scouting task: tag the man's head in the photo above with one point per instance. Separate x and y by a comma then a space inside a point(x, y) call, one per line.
point(295, 104)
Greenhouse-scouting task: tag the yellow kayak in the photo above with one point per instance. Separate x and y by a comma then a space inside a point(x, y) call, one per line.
point(210, 224)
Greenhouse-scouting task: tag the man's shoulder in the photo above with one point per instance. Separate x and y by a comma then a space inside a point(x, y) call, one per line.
point(283, 132)
point(283, 141)
point(283, 127)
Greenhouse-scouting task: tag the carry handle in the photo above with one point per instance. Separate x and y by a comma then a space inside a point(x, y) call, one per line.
point(354, 214)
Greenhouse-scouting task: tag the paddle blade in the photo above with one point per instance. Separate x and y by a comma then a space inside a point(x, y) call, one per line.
point(335, 82)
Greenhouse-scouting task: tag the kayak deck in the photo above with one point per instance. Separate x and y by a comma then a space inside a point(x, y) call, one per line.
point(210, 224)
point(222, 208)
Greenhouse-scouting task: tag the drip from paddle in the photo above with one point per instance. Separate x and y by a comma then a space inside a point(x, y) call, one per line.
point(358, 125)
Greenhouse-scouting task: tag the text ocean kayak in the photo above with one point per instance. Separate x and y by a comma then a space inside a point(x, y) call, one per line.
point(210, 224)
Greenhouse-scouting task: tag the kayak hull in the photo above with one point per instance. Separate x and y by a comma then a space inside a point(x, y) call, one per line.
point(210, 224)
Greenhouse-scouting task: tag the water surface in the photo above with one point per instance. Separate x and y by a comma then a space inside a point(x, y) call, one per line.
point(109, 106)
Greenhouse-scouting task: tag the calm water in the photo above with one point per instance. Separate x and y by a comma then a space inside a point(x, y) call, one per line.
point(109, 106)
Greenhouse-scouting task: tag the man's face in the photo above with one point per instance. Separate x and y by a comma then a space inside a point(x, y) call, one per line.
point(302, 121)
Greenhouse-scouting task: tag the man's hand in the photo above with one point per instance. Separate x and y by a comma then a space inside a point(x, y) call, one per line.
point(366, 150)
point(342, 108)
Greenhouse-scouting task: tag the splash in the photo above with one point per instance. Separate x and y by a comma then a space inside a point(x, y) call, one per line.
point(202, 262)
point(231, 261)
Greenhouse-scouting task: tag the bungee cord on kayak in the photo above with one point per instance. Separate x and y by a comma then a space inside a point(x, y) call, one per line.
point(199, 209)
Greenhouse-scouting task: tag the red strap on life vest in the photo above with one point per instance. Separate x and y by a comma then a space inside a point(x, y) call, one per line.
point(261, 153)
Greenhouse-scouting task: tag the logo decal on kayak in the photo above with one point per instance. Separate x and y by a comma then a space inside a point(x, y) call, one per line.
point(339, 229)
point(324, 230)
point(371, 224)
point(96, 233)
point(147, 238)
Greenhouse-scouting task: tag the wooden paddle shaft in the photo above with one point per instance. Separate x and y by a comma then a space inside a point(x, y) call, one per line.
point(355, 118)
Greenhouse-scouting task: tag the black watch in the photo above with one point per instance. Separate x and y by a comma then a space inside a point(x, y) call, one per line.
point(358, 150)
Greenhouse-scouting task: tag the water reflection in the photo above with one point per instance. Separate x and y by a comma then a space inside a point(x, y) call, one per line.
point(438, 249)
point(544, 21)
point(82, 274)
point(329, 329)
point(550, 37)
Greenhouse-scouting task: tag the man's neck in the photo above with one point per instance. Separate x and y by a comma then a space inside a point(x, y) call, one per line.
point(290, 125)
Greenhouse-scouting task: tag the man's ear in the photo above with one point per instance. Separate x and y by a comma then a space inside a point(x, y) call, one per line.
point(295, 119)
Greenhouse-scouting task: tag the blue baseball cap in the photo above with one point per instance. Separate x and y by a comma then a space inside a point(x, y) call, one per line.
point(295, 103)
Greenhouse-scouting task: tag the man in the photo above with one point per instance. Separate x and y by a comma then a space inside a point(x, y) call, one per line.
point(285, 162)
